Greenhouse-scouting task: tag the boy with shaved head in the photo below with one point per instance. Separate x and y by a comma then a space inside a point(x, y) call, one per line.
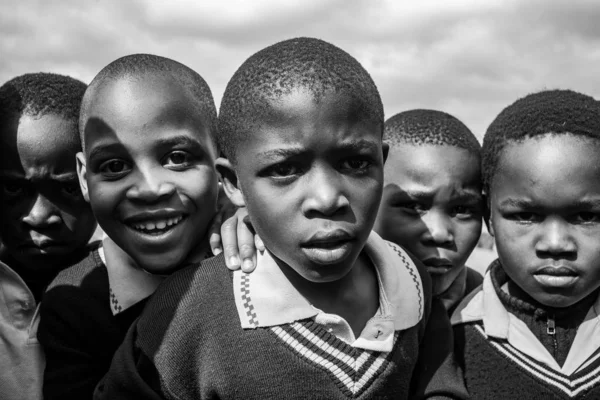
point(147, 126)
point(431, 203)
point(332, 311)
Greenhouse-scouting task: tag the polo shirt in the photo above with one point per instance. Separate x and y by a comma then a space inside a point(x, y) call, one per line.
point(21, 356)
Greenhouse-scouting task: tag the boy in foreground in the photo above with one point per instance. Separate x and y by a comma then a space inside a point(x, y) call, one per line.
point(45, 223)
point(532, 330)
point(332, 310)
point(148, 171)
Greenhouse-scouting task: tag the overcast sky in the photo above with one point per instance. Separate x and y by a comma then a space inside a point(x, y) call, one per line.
point(468, 58)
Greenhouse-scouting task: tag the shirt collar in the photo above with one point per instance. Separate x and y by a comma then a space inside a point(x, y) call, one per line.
point(484, 305)
point(128, 285)
point(265, 298)
point(17, 304)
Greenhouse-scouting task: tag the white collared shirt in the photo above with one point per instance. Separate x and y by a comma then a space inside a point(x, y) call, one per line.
point(266, 298)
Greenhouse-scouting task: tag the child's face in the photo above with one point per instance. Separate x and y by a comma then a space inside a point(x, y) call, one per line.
point(545, 217)
point(44, 217)
point(312, 178)
point(149, 169)
point(431, 205)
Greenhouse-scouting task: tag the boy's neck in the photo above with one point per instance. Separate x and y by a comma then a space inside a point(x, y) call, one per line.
point(355, 297)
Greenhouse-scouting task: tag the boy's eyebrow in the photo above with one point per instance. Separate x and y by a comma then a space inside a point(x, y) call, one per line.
point(99, 149)
point(350, 146)
point(587, 204)
point(457, 195)
point(11, 175)
point(66, 177)
point(516, 203)
point(179, 140)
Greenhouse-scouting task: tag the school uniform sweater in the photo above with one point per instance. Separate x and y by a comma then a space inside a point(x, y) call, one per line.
point(509, 348)
point(211, 333)
point(81, 326)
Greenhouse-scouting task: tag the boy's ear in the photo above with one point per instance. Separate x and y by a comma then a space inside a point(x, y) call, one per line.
point(231, 185)
point(81, 174)
point(386, 150)
point(486, 214)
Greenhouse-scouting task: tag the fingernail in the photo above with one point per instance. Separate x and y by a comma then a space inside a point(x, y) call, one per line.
point(248, 264)
point(217, 251)
point(234, 261)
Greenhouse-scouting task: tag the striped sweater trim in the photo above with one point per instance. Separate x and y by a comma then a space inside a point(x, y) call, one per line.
point(353, 369)
point(570, 385)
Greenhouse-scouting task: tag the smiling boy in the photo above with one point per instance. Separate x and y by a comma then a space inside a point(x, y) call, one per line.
point(431, 203)
point(332, 310)
point(44, 221)
point(531, 331)
point(148, 170)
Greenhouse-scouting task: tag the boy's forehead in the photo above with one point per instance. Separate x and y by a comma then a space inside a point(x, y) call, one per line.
point(49, 141)
point(537, 162)
point(300, 117)
point(432, 164)
point(129, 105)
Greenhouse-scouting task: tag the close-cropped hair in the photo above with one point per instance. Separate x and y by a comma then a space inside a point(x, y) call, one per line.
point(429, 127)
point(542, 113)
point(39, 94)
point(136, 66)
point(307, 64)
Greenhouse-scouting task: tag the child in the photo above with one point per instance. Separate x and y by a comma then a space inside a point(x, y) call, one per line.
point(44, 220)
point(532, 330)
point(431, 203)
point(148, 171)
point(332, 311)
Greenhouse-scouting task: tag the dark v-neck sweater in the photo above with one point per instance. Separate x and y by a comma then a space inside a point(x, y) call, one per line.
point(555, 328)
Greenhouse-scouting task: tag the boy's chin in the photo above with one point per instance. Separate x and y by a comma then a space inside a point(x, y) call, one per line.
point(558, 300)
point(160, 265)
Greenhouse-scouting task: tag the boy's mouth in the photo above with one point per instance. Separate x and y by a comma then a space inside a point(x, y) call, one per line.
point(557, 277)
point(328, 247)
point(155, 226)
point(437, 266)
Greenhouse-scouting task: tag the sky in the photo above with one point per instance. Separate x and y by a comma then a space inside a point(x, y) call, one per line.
point(468, 58)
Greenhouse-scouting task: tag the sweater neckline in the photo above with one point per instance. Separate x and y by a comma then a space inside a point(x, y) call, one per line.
point(531, 307)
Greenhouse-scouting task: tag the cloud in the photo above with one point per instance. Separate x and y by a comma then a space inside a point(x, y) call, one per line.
point(470, 58)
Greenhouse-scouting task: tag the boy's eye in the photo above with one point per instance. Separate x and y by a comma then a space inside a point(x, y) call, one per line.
point(356, 164)
point(177, 159)
point(587, 216)
point(71, 189)
point(13, 189)
point(283, 170)
point(114, 168)
point(462, 211)
point(525, 216)
point(411, 208)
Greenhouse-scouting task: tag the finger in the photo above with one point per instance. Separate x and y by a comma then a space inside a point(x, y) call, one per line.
point(230, 242)
point(260, 246)
point(214, 234)
point(246, 246)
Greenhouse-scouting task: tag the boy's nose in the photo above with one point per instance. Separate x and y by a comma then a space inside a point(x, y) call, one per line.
point(555, 239)
point(150, 187)
point(325, 196)
point(439, 229)
point(43, 213)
